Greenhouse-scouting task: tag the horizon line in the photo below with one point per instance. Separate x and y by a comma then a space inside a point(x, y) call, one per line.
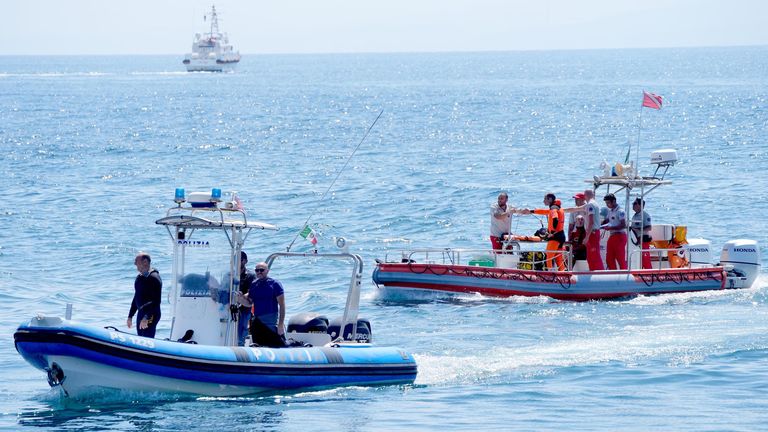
point(401, 52)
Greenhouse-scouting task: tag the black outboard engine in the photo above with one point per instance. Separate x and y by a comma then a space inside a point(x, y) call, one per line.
point(364, 334)
point(308, 322)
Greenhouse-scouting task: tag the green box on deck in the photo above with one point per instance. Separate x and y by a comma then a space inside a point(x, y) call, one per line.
point(482, 262)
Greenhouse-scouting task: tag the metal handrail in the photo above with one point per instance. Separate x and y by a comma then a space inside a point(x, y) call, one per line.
point(451, 256)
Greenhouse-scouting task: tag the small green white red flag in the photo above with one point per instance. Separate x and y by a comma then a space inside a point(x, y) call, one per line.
point(309, 234)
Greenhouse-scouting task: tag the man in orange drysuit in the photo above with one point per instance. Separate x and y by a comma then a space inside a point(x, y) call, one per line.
point(555, 230)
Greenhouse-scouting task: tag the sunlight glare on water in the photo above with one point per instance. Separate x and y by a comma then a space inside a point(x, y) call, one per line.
point(93, 148)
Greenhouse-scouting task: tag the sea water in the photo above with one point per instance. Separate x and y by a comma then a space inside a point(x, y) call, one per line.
point(94, 147)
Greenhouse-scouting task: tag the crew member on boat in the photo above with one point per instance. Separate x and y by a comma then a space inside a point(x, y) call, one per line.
point(641, 222)
point(146, 298)
point(244, 309)
point(267, 296)
point(501, 220)
point(572, 212)
point(592, 228)
point(587, 207)
point(577, 239)
point(616, 249)
point(555, 230)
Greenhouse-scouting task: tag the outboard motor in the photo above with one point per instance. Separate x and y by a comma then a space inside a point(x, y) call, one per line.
point(699, 252)
point(308, 322)
point(364, 334)
point(741, 260)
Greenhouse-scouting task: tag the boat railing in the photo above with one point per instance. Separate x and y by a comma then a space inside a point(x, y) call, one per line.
point(514, 256)
point(352, 307)
point(433, 255)
point(510, 254)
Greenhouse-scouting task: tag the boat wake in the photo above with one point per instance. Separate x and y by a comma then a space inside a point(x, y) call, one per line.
point(703, 297)
point(636, 345)
point(160, 73)
point(55, 74)
point(106, 398)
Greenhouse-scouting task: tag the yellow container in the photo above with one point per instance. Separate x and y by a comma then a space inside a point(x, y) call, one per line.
point(681, 232)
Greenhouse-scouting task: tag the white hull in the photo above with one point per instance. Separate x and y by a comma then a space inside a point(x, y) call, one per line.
point(211, 51)
point(209, 66)
point(86, 377)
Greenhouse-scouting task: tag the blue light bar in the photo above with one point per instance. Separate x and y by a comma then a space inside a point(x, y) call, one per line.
point(216, 194)
point(179, 197)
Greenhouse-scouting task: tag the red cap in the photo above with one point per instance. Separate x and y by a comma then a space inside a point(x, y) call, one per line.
point(579, 195)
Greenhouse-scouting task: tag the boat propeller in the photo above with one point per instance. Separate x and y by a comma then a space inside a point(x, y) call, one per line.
point(56, 376)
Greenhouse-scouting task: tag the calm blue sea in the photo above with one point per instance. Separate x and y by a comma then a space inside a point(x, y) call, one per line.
point(92, 149)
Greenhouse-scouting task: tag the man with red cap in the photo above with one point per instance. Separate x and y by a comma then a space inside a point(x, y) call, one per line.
point(587, 208)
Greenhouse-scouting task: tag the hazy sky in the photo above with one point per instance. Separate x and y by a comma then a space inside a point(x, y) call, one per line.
point(321, 26)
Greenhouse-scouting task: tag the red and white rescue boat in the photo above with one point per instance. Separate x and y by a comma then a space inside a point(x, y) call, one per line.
point(678, 264)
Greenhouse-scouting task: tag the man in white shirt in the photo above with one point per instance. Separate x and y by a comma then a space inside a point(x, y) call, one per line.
point(592, 228)
point(501, 220)
point(641, 223)
point(616, 249)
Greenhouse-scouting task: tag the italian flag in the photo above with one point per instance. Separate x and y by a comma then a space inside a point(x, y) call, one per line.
point(309, 234)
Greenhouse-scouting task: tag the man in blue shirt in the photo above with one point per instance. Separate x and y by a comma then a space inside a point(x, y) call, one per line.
point(268, 300)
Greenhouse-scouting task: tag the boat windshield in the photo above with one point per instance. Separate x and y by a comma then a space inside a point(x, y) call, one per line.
point(204, 266)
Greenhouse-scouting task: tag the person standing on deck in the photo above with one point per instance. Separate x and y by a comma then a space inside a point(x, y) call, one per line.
point(146, 297)
point(268, 299)
point(501, 220)
point(577, 238)
point(555, 230)
point(641, 218)
point(616, 249)
point(588, 209)
point(572, 212)
point(244, 309)
point(592, 228)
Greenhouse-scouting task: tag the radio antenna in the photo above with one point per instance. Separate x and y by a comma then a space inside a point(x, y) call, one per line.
point(288, 249)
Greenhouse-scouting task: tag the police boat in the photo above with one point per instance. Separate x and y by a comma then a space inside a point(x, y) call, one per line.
point(201, 357)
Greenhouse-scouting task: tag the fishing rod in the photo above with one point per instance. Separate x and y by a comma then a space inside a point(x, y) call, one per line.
point(288, 249)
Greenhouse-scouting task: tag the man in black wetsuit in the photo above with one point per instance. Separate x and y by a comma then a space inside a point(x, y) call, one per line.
point(146, 297)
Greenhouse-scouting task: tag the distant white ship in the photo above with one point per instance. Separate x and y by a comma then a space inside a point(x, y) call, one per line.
point(211, 52)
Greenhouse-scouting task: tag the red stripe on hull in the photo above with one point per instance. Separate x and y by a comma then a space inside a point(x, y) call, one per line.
point(480, 272)
point(498, 292)
point(636, 278)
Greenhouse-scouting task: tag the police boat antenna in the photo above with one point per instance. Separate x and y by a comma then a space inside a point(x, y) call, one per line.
point(338, 174)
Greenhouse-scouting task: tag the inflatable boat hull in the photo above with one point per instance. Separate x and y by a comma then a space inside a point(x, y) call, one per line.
point(405, 281)
point(81, 358)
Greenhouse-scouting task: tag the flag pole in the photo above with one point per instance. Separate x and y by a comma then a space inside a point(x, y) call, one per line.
point(637, 162)
point(288, 249)
point(639, 128)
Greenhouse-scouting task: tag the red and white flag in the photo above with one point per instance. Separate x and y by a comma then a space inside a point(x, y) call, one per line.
point(651, 100)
